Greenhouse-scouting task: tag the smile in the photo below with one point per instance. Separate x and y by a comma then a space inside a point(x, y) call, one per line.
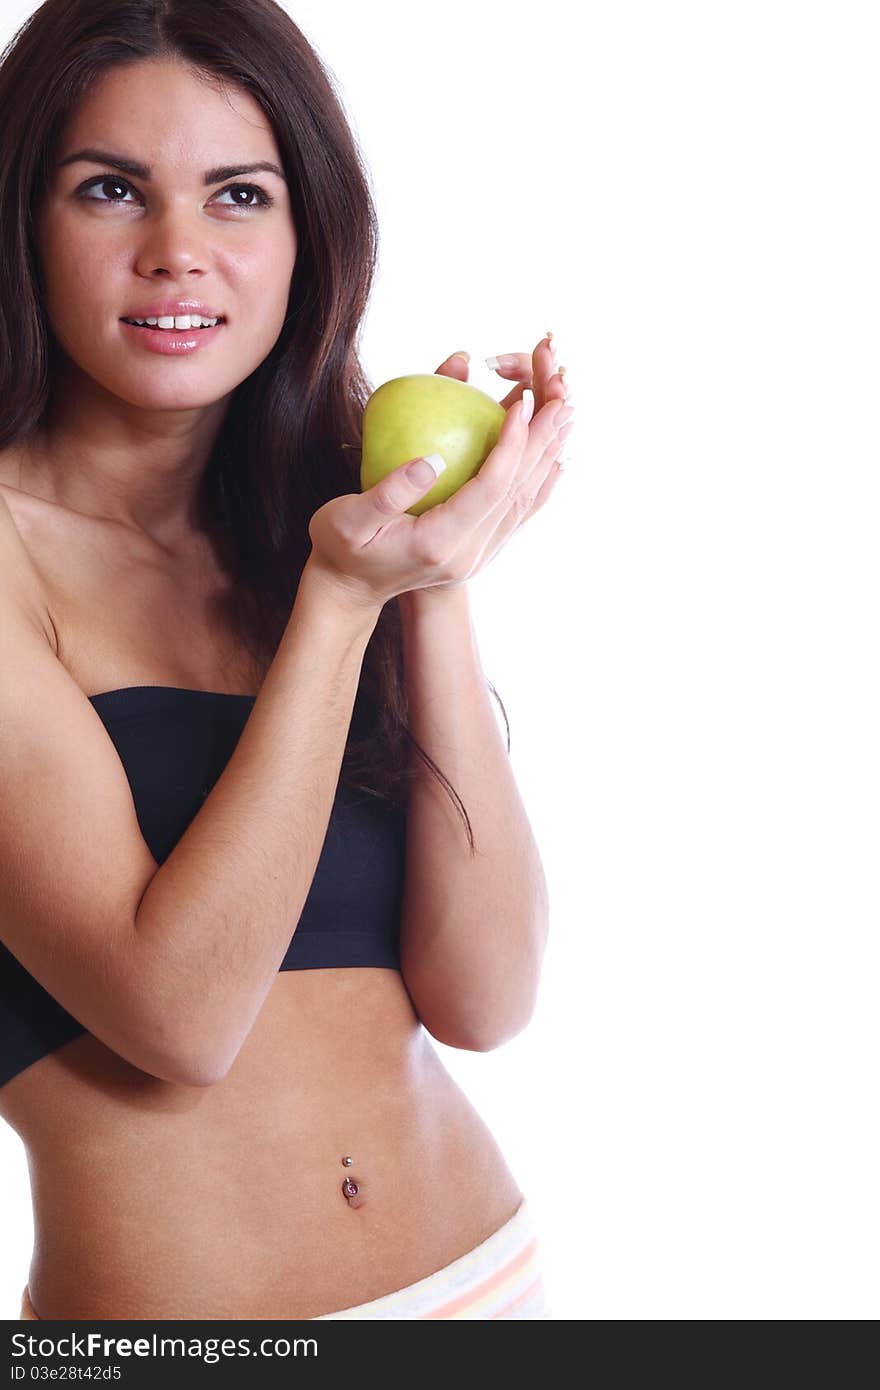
point(179, 321)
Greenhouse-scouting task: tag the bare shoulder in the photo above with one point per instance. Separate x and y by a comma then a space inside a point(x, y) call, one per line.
point(20, 578)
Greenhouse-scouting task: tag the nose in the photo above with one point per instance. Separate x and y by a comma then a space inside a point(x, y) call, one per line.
point(173, 243)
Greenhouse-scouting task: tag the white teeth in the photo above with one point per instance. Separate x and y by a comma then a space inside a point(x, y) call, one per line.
point(178, 321)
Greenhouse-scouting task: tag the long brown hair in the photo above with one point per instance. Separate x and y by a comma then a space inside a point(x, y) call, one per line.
point(291, 437)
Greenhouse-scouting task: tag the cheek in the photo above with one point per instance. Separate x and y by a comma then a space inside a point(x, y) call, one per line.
point(263, 281)
point(79, 272)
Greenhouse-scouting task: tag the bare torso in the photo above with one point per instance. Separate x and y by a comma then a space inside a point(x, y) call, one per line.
point(153, 1200)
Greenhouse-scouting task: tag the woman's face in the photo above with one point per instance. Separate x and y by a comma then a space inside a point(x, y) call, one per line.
point(114, 242)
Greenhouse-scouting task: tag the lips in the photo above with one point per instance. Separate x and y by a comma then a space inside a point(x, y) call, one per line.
point(172, 342)
point(173, 308)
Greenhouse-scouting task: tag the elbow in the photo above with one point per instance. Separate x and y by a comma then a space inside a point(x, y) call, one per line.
point(483, 1042)
point(192, 1071)
point(187, 1062)
point(150, 1046)
point(181, 1067)
point(176, 1068)
point(205, 1066)
point(485, 1036)
point(489, 1041)
point(492, 1028)
point(481, 1010)
point(170, 1032)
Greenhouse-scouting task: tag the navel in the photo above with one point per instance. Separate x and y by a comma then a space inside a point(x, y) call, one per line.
point(352, 1187)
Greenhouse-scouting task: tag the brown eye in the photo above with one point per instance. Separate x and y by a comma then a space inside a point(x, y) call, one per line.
point(106, 181)
point(264, 200)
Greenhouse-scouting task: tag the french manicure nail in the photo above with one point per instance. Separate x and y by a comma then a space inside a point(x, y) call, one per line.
point(506, 360)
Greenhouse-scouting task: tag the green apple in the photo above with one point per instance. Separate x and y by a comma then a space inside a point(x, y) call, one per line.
point(410, 416)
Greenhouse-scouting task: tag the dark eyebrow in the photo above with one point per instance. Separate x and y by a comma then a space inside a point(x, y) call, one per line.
point(143, 171)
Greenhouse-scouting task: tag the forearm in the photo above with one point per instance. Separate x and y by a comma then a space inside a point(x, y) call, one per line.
point(474, 927)
point(218, 915)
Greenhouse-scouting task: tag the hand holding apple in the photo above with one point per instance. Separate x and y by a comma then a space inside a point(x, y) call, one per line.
point(427, 414)
point(369, 547)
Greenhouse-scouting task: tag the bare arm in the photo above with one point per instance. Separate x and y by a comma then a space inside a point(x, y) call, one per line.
point(474, 928)
point(217, 917)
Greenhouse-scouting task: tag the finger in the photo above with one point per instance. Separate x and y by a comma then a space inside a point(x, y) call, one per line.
point(547, 382)
point(555, 389)
point(518, 516)
point(535, 458)
point(512, 396)
point(516, 366)
point(537, 370)
point(541, 496)
point(468, 509)
point(526, 367)
point(536, 466)
point(455, 366)
point(528, 487)
point(546, 487)
point(395, 493)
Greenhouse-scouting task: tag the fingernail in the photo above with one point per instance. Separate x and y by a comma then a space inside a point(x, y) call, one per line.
point(506, 359)
point(426, 469)
point(465, 355)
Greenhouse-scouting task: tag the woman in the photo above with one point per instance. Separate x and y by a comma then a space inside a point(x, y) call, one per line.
point(222, 960)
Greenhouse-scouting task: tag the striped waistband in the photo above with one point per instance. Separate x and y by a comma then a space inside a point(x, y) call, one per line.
point(499, 1278)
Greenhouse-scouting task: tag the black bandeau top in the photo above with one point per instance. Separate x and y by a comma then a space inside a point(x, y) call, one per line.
point(173, 744)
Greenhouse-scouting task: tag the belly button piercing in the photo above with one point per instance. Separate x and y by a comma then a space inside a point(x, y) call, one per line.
point(352, 1190)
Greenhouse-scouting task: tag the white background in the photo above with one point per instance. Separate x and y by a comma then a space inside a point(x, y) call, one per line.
point(685, 636)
